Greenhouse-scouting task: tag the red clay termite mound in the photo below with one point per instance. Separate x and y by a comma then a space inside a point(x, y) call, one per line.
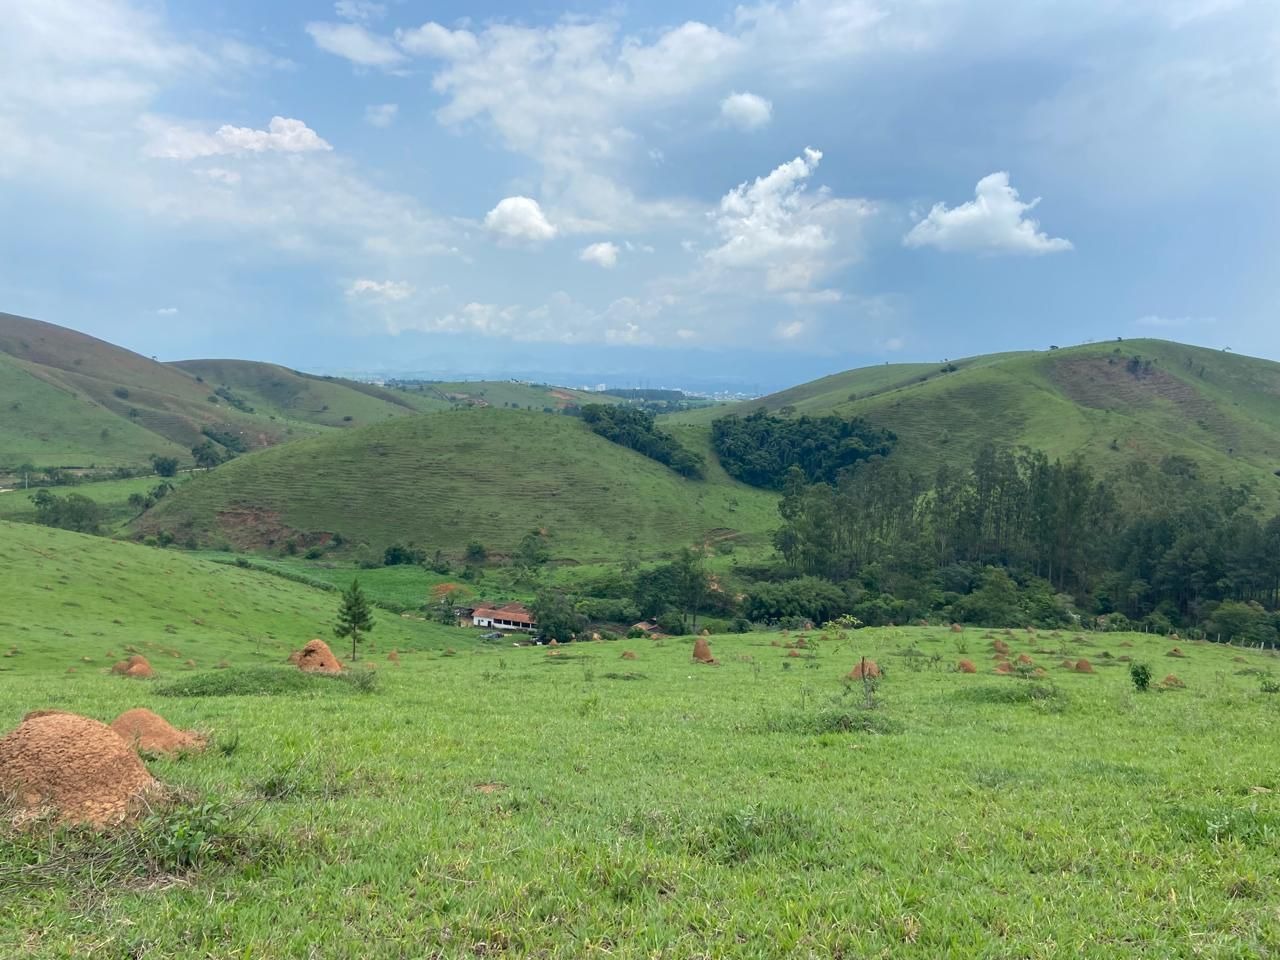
point(316, 657)
point(1175, 652)
point(135, 666)
point(702, 651)
point(866, 667)
point(1004, 666)
point(956, 628)
point(1025, 660)
point(78, 769)
point(966, 666)
point(793, 653)
point(394, 657)
point(1069, 664)
point(999, 646)
point(1083, 666)
point(151, 733)
point(628, 655)
point(1172, 683)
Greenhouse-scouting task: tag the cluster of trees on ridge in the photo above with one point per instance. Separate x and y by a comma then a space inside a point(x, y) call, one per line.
point(762, 450)
point(635, 428)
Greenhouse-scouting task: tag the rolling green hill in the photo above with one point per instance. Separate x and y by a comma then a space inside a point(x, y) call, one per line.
point(71, 400)
point(488, 475)
point(65, 597)
point(285, 394)
point(1112, 403)
point(430, 397)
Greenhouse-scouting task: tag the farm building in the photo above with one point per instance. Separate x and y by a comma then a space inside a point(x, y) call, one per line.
point(509, 616)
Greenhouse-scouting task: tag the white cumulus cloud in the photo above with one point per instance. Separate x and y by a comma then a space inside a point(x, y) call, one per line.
point(773, 226)
point(360, 10)
point(390, 291)
point(433, 40)
point(519, 219)
point(995, 221)
point(746, 111)
point(602, 254)
point(283, 135)
point(381, 114)
point(355, 43)
point(167, 311)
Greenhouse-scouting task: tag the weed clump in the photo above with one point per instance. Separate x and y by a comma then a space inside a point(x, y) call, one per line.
point(267, 681)
point(1140, 674)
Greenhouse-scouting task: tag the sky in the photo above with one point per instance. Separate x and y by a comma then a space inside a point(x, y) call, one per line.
point(651, 194)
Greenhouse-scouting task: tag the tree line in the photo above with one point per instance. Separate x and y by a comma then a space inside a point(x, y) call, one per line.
point(636, 429)
point(1160, 544)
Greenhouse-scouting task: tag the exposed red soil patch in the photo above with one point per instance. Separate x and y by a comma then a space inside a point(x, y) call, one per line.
point(77, 768)
point(966, 666)
point(316, 657)
point(136, 666)
point(151, 733)
point(866, 667)
point(702, 651)
point(1083, 666)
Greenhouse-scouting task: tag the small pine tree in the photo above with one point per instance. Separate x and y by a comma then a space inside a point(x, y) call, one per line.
point(354, 616)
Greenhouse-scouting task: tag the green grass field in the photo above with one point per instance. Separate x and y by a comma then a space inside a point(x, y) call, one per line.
point(442, 481)
point(113, 495)
point(507, 802)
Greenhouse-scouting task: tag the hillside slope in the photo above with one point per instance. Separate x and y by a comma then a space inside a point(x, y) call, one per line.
point(65, 597)
point(446, 480)
point(71, 400)
point(285, 394)
point(1112, 403)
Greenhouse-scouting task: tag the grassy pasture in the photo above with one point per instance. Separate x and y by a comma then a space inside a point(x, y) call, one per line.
point(444, 480)
point(506, 802)
point(113, 495)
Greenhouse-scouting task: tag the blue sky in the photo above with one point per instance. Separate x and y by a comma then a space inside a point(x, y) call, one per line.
point(661, 193)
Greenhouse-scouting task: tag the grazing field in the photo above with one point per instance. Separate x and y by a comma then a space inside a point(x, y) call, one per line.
point(443, 481)
point(112, 495)
point(571, 803)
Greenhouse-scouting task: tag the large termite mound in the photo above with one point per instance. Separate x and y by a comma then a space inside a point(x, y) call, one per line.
point(77, 769)
point(864, 669)
point(316, 657)
point(702, 651)
point(136, 666)
point(151, 733)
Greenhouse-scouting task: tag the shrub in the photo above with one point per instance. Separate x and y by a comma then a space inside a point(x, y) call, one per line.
point(1140, 674)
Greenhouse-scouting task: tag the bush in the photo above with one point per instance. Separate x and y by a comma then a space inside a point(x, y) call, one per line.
point(1140, 674)
point(267, 682)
